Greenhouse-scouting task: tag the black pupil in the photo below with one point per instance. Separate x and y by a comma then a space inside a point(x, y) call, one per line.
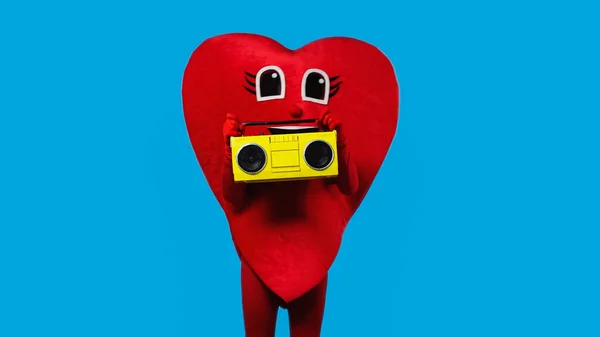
point(251, 158)
point(270, 83)
point(318, 155)
point(315, 86)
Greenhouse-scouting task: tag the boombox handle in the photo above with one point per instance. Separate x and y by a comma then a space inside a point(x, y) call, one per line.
point(292, 121)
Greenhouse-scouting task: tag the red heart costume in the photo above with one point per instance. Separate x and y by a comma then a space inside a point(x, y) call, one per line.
point(288, 234)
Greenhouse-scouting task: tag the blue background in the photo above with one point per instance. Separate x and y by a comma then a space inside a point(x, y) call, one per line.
point(484, 220)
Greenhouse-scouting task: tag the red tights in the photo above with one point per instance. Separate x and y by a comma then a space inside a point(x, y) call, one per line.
point(261, 305)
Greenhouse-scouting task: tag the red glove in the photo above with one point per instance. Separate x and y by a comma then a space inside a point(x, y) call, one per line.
point(232, 192)
point(347, 179)
point(232, 128)
point(330, 122)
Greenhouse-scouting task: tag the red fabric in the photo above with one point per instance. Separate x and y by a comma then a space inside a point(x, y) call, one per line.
point(289, 233)
point(261, 305)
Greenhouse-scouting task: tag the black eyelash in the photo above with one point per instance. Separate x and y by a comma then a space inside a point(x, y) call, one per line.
point(334, 92)
point(334, 88)
point(250, 83)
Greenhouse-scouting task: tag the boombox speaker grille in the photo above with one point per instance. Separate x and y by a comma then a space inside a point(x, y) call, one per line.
point(252, 158)
point(318, 155)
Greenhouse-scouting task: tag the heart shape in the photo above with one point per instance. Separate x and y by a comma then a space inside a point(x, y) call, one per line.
point(290, 232)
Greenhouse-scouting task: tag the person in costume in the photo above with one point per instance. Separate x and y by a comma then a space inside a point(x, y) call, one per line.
point(287, 234)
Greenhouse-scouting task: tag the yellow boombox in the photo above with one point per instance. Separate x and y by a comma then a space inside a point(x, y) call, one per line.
point(287, 153)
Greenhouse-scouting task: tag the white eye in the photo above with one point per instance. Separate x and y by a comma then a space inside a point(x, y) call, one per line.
point(270, 83)
point(315, 86)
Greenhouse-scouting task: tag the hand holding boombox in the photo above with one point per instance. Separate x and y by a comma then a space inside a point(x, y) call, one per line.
point(289, 152)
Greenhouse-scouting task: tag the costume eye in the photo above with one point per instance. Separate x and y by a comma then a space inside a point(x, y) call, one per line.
point(270, 83)
point(316, 86)
point(267, 84)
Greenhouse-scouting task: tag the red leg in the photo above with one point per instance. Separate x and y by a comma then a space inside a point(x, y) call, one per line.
point(259, 304)
point(306, 313)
